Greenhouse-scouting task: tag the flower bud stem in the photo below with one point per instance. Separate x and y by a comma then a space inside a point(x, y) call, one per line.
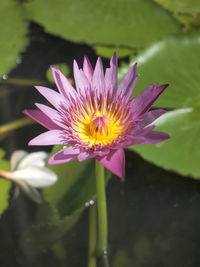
point(92, 237)
point(102, 210)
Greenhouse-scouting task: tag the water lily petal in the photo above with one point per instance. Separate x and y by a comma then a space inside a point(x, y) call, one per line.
point(82, 83)
point(87, 69)
point(16, 158)
point(155, 137)
point(56, 99)
point(111, 74)
point(36, 176)
point(115, 162)
point(143, 102)
point(83, 155)
point(98, 81)
point(64, 155)
point(150, 116)
point(52, 137)
point(41, 118)
point(53, 114)
point(62, 83)
point(128, 82)
point(30, 191)
point(37, 159)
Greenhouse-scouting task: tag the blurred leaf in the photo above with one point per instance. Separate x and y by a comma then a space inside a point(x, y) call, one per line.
point(122, 258)
point(65, 202)
point(188, 20)
point(4, 185)
point(123, 22)
point(181, 152)
point(107, 52)
point(174, 61)
point(75, 186)
point(184, 6)
point(12, 34)
point(62, 67)
point(44, 233)
point(4, 194)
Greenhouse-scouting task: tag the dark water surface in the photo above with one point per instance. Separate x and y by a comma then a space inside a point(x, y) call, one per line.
point(154, 218)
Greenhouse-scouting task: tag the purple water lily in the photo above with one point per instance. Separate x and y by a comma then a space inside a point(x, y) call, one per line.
point(98, 119)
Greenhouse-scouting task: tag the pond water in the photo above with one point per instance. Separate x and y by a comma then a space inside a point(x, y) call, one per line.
point(153, 216)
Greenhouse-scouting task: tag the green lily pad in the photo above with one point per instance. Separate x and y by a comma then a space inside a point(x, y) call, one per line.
point(174, 61)
point(184, 6)
point(181, 152)
point(107, 51)
point(12, 34)
point(4, 185)
point(190, 21)
point(128, 23)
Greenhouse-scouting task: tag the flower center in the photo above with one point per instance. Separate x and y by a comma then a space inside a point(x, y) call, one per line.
point(97, 123)
point(100, 127)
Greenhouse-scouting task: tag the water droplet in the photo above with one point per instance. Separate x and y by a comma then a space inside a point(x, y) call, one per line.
point(89, 203)
point(105, 252)
point(5, 77)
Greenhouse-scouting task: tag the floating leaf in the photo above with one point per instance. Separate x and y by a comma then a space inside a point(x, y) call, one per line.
point(174, 61)
point(107, 51)
point(4, 185)
point(188, 20)
point(128, 23)
point(183, 6)
point(12, 34)
point(181, 152)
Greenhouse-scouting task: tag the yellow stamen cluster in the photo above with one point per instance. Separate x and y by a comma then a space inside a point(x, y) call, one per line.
point(95, 125)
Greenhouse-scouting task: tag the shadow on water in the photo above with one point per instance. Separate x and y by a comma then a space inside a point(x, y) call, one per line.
point(153, 216)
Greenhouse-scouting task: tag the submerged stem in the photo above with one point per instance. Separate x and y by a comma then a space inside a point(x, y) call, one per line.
point(92, 236)
point(22, 82)
point(102, 210)
point(15, 124)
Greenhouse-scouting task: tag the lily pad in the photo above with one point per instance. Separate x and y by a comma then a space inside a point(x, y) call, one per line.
point(181, 152)
point(184, 6)
point(127, 23)
point(190, 21)
point(175, 61)
point(12, 34)
point(107, 51)
point(4, 185)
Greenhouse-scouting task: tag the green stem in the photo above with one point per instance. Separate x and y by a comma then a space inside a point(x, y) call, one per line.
point(92, 236)
point(23, 82)
point(15, 125)
point(102, 210)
